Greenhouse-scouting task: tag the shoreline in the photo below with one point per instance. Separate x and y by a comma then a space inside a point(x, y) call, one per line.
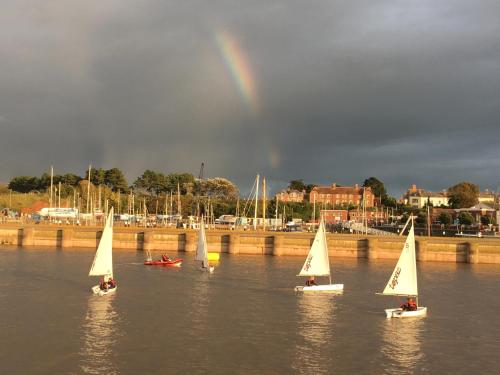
point(439, 249)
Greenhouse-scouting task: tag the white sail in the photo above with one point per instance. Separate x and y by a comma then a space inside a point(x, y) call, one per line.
point(317, 262)
point(201, 248)
point(403, 280)
point(103, 260)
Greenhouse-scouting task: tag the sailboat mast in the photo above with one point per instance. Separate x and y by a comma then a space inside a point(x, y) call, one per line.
point(322, 223)
point(407, 222)
point(328, 256)
point(178, 198)
point(208, 213)
point(276, 213)
point(166, 208)
point(99, 197)
point(51, 187)
point(264, 203)
point(314, 210)
point(88, 189)
point(428, 221)
point(365, 221)
point(414, 257)
point(284, 216)
point(256, 202)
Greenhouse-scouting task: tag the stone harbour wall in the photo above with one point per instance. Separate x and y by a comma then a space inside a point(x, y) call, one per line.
point(429, 249)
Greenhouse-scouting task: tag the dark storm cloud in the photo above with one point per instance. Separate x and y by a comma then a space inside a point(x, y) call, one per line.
point(405, 91)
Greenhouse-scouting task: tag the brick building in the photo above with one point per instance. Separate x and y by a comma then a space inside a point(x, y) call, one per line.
point(334, 216)
point(291, 195)
point(338, 195)
point(371, 216)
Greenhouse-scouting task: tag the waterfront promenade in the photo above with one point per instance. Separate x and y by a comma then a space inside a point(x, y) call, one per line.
point(441, 249)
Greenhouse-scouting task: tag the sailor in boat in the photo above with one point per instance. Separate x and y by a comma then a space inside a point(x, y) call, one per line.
point(311, 281)
point(105, 285)
point(410, 305)
point(165, 258)
point(111, 283)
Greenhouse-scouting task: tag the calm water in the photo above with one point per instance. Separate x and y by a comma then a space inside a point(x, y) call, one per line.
point(244, 318)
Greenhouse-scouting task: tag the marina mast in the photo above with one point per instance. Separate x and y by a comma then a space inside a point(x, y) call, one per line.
point(256, 202)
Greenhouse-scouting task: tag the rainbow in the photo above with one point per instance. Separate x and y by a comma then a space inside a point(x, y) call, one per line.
point(238, 65)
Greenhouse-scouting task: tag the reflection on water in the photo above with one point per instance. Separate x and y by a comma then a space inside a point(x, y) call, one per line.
point(315, 327)
point(198, 327)
point(99, 336)
point(401, 344)
point(199, 305)
point(243, 319)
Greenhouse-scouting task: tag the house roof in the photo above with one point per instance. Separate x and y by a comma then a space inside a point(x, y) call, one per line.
point(339, 190)
point(287, 191)
point(35, 207)
point(487, 194)
point(430, 194)
point(478, 207)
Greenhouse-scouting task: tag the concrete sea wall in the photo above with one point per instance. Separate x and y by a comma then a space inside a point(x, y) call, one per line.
point(440, 249)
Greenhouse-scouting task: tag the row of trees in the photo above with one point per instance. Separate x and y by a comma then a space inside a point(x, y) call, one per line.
point(155, 184)
point(464, 218)
point(158, 183)
point(150, 182)
point(112, 178)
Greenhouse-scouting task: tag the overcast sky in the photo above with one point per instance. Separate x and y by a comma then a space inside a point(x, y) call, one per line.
point(336, 91)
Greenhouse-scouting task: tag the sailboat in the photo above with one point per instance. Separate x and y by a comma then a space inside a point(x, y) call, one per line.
point(202, 249)
point(403, 281)
point(318, 264)
point(103, 260)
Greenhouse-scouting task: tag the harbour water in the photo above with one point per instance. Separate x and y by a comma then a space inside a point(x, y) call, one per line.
point(243, 319)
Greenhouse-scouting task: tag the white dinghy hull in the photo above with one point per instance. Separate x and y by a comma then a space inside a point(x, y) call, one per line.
point(320, 288)
point(400, 313)
point(97, 290)
point(209, 269)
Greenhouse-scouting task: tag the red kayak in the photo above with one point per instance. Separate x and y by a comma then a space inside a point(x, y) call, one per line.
point(177, 262)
